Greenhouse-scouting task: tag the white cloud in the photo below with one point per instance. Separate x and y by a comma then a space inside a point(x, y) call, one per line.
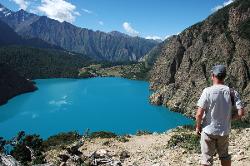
point(167, 36)
point(101, 22)
point(77, 13)
point(223, 5)
point(60, 10)
point(87, 11)
point(154, 37)
point(128, 28)
point(23, 4)
point(1, 9)
point(33, 11)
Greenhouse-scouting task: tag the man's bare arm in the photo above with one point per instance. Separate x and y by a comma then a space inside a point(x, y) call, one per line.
point(239, 115)
point(199, 115)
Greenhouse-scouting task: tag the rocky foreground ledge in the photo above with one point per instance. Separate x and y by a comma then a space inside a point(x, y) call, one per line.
point(153, 150)
point(178, 147)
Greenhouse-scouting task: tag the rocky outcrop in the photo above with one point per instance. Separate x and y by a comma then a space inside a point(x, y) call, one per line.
point(11, 84)
point(8, 160)
point(150, 150)
point(183, 67)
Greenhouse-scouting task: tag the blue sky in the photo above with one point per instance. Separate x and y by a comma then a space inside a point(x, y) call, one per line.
point(145, 18)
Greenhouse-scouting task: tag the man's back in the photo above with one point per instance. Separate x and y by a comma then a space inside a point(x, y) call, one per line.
point(216, 101)
point(213, 117)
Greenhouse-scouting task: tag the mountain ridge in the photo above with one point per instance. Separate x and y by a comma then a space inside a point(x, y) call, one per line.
point(98, 45)
point(10, 37)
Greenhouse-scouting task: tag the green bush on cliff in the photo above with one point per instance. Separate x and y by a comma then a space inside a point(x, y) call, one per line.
point(21, 153)
point(2, 144)
point(27, 146)
point(102, 134)
point(238, 124)
point(187, 141)
point(143, 132)
point(61, 139)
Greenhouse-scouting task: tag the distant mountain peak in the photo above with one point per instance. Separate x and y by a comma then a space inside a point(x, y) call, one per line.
point(4, 12)
point(116, 33)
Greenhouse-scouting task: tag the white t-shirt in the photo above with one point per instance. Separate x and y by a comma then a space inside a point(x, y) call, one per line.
point(216, 101)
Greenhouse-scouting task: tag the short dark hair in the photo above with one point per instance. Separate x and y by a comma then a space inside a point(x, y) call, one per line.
point(220, 76)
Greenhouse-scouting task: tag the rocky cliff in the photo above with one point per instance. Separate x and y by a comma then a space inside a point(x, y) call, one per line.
point(11, 84)
point(183, 67)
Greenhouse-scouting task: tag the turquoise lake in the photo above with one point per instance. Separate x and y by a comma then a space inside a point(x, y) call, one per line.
point(111, 104)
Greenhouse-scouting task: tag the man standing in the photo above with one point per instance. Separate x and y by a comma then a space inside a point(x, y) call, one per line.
point(213, 117)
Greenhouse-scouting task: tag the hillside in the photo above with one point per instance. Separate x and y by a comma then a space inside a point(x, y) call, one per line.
point(12, 84)
point(34, 63)
point(113, 46)
point(183, 67)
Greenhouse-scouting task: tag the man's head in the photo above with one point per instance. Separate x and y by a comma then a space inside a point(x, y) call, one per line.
point(218, 73)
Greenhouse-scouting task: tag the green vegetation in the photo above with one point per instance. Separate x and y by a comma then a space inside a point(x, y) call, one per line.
point(28, 149)
point(220, 18)
point(2, 144)
point(185, 140)
point(141, 132)
point(122, 139)
point(37, 63)
point(61, 139)
point(139, 72)
point(131, 71)
point(237, 124)
point(102, 134)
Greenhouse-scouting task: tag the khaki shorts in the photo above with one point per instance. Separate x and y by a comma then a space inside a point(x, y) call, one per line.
point(209, 145)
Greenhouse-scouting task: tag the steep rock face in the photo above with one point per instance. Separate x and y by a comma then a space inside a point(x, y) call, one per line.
point(113, 46)
point(183, 67)
point(9, 37)
point(11, 84)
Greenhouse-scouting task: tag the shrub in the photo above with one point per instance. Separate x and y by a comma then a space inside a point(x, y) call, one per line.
point(2, 144)
point(240, 124)
point(103, 134)
point(122, 139)
point(61, 139)
point(187, 141)
point(21, 153)
point(141, 132)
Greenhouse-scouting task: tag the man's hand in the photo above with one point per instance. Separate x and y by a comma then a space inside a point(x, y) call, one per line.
point(199, 115)
point(240, 113)
point(198, 131)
